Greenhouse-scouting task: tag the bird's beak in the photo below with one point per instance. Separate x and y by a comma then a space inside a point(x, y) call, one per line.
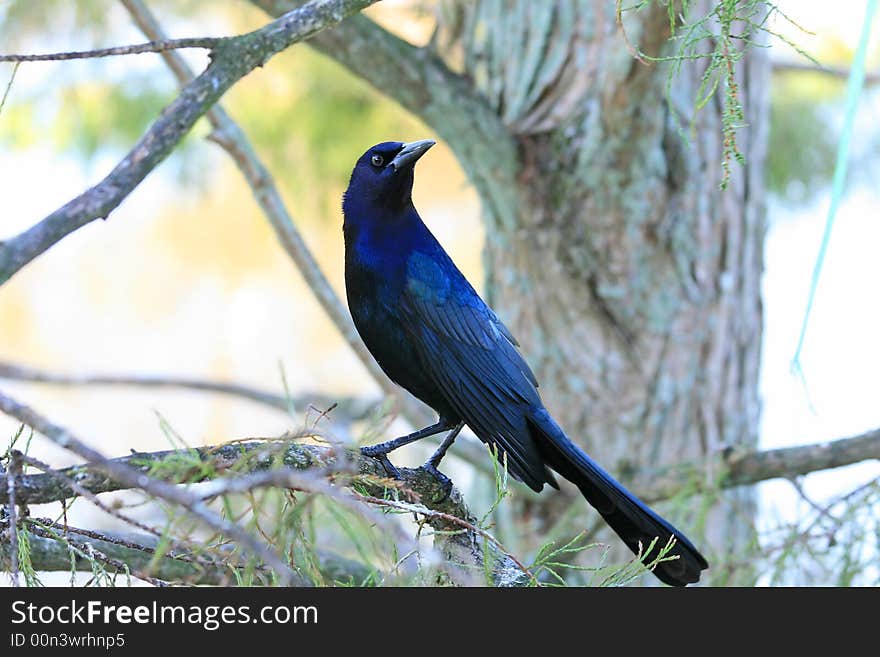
point(410, 153)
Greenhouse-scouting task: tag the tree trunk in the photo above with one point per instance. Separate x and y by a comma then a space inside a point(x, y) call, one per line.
point(630, 278)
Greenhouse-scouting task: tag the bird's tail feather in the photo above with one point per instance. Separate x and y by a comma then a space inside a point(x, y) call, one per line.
point(626, 514)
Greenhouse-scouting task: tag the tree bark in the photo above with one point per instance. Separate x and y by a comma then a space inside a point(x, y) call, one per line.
point(630, 278)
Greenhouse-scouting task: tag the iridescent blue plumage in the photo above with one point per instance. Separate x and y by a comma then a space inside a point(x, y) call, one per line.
point(433, 335)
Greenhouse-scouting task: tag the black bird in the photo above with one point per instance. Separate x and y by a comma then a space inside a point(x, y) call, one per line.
point(433, 335)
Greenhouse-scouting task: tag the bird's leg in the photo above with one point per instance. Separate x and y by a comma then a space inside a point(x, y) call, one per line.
point(432, 463)
point(380, 451)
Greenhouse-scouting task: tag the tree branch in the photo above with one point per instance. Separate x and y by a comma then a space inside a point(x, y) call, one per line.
point(344, 409)
point(739, 468)
point(232, 139)
point(349, 408)
point(50, 552)
point(306, 465)
point(132, 478)
point(237, 57)
point(255, 461)
point(209, 43)
point(871, 77)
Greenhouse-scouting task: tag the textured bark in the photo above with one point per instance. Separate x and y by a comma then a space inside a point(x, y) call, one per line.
point(631, 280)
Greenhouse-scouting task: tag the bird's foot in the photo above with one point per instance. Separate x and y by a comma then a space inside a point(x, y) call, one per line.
point(444, 481)
point(382, 456)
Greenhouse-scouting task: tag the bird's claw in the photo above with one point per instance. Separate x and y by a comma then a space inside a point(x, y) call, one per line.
point(444, 481)
point(382, 457)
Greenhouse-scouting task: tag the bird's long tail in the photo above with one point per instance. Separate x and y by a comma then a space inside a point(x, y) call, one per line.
point(626, 514)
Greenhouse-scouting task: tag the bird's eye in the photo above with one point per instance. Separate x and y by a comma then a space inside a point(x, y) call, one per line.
point(378, 160)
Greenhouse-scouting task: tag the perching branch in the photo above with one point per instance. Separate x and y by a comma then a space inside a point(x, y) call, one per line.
point(344, 409)
point(231, 61)
point(740, 469)
point(128, 477)
point(163, 45)
point(257, 462)
point(229, 135)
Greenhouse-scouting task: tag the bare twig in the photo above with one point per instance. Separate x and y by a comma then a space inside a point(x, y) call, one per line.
point(309, 481)
point(48, 529)
point(871, 77)
point(131, 478)
point(229, 136)
point(8, 86)
point(742, 468)
point(350, 408)
point(739, 469)
point(235, 58)
point(208, 43)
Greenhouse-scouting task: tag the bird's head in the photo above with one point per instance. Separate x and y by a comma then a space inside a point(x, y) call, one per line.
point(383, 176)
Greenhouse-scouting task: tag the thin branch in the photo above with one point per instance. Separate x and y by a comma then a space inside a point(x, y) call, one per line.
point(349, 408)
point(230, 62)
point(344, 409)
point(255, 457)
point(218, 569)
point(49, 553)
point(745, 468)
point(871, 77)
point(230, 137)
point(88, 551)
point(8, 87)
point(208, 43)
point(182, 546)
point(129, 477)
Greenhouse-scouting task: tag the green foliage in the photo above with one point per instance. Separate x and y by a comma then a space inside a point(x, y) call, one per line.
point(25, 565)
point(303, 112)
point(719, 39)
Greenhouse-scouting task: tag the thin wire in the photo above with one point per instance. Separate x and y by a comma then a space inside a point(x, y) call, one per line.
point(853, 92)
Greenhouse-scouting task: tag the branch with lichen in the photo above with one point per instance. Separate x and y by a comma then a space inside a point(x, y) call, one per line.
point(57, 548)
point(241, 467)
point(231, 60)
point(289, 463)
point(159, 45)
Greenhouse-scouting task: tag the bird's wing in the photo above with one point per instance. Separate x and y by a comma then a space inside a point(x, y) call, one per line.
point(472, 357)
